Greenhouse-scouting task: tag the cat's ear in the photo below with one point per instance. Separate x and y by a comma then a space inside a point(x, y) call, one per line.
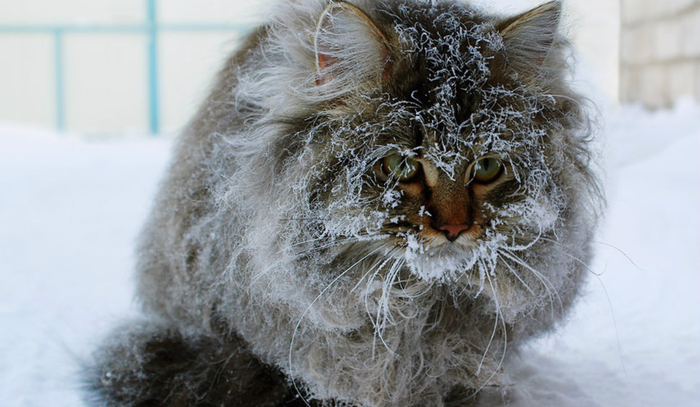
point(529, 37)
point(349, 46)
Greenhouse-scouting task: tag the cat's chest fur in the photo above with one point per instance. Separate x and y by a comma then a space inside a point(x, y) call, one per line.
point(379, 201)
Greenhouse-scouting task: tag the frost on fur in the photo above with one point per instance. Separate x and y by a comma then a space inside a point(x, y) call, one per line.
point(282, 221)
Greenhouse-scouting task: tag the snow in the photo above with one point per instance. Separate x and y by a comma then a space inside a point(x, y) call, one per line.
point(70, 209)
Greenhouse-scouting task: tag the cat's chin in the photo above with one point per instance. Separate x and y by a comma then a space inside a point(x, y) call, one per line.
point(439, 260)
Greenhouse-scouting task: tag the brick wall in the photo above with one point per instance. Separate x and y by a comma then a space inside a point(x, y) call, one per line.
point(659, 51)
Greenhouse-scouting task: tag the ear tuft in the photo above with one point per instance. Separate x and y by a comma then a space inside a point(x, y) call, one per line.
point(348, 46)
point(529, 37)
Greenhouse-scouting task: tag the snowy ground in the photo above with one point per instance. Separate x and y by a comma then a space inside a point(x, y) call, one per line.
point(70, 209)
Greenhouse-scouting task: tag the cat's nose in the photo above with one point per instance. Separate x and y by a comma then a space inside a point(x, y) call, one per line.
point(452, 232)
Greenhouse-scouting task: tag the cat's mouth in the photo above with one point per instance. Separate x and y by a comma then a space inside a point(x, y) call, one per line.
point(433, 253)
point(447, 234)
point(440, 258)
point(435, 235)
point(435, 232)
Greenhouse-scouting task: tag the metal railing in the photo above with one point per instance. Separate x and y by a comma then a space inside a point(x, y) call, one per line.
point(150, 28)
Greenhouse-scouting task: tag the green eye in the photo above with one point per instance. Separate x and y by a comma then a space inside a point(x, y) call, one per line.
point(487, 169)
point(400, 167)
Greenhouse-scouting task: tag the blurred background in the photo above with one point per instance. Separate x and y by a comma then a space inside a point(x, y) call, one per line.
point(135, 66)
point(114, 66)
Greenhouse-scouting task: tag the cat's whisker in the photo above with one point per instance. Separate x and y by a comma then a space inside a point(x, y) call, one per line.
point(546, 283)
point(549, 287)
point(516, 274)
point(312, 240)
point(384, 308)
point(378, 328)
point(315, 249)
point(495, 326)
point(619, 251)
point(528, 239)
point(297, 255)
point(387, 287)
point(264, 272)
point(499, 316)
point(564, 250)
point(308, 308)
point(574, 258)
point(373, 320)
point(327, 242)
point(373, 271)
point(607, 296)
point(304, 218)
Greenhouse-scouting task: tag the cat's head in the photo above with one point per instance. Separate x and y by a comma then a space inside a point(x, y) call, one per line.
point(430, 135)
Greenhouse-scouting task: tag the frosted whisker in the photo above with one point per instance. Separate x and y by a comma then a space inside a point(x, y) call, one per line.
point(499, 317)
point(517, 275)
point(308, 308)
point(551, 290)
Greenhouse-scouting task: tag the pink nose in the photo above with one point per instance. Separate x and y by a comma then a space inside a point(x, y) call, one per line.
point(452, 232)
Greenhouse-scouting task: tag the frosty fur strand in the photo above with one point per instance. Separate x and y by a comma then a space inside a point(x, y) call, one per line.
point(272, 242)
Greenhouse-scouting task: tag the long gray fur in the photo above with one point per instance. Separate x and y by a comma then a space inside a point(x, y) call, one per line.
point(272, 259)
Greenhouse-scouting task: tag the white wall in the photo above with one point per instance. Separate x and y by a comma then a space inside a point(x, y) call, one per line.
point(27, 79)
point(105, 74)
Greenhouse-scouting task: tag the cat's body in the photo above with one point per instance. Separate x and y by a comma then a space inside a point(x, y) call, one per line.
point(377, 203)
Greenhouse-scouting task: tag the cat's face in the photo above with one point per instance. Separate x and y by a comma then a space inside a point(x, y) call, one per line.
point(442, 159)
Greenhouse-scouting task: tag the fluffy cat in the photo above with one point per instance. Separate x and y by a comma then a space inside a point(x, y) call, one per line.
point(378, 202)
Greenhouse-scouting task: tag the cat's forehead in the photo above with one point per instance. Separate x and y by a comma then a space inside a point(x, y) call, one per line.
point(450, 95)
point(449, 43)
point(448, 56)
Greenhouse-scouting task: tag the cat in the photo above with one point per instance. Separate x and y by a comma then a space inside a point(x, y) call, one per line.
point(378, 203)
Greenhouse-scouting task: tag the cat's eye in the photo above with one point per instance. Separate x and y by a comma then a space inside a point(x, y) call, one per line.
point(400, 167)
point(487, 169)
